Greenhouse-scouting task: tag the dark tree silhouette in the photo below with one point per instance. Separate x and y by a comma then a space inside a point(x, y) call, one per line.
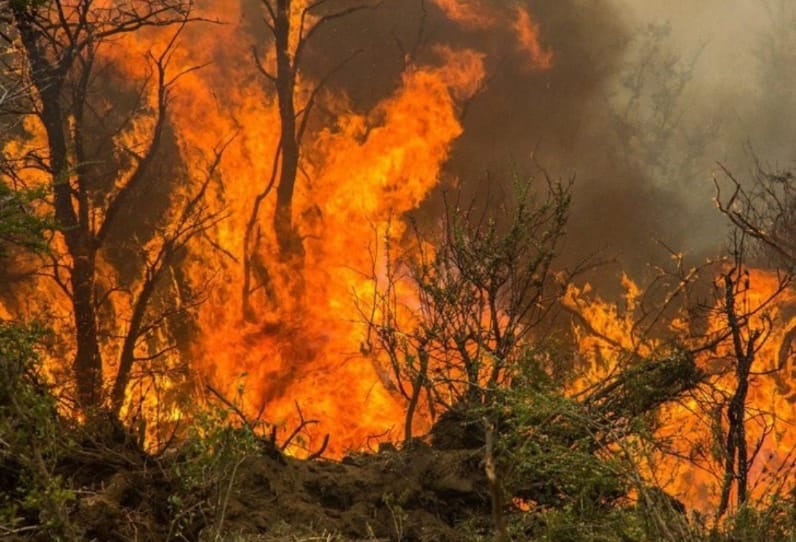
point(291, 29)
point(93, 176)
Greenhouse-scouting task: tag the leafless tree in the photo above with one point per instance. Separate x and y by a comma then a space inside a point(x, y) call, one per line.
point(745, 340)
point(291, 28)
point(766, 214)
point(763, 209)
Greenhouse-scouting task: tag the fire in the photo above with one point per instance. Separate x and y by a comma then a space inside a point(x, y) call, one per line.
point(470, 13)
point(691, 468)
point(607, 328)
point(475, 14)
point(528, 40)
point(298, 356)
point(361, 172)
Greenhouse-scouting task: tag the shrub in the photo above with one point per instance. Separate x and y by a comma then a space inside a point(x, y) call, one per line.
point(31, 442)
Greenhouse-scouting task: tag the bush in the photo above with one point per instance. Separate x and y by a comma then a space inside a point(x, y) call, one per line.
point(31, 443)
point(212, 453)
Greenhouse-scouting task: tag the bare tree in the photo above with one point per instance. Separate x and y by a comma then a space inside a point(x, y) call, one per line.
point(745, 340)
point(763, 209)
point(291, 25)
point(764, 212)
point(94, 177)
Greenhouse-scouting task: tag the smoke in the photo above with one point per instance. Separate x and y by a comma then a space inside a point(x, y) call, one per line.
point(636, 100)
point(641, 102)
point(737, 92)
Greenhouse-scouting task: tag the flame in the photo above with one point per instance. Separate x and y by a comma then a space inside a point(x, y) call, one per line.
point(475, 14)
point(691, 470)
point(364, 171)
point(527, 31)
point(471, 13)
point(299, 356)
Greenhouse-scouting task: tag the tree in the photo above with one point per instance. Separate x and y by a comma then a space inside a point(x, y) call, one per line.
point(96, 169)
point(291, 25)
point(764, 210)
point(740, 326)
point(736, 465)
point(766, 214)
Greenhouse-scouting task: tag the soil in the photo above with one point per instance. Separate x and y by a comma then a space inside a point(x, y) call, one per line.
point(418, 493)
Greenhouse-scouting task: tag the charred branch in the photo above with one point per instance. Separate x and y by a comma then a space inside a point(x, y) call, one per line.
point(765, 211)
point(192, 221)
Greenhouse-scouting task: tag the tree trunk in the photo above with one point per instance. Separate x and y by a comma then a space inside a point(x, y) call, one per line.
point(87, 365)
point(736, 467)
point(88, 361)
point(127, 357)
point(48, 80)
point(417, 388)
point(286, 235)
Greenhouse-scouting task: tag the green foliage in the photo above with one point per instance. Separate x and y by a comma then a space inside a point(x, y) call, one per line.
point(574, 466)
point(19, 226)
point(775, 523)
point(570, 525)
point(397, 513)
point(212, 453)
point(560, 456)
point(31, 441)
point(213, 442)
point(548, 446)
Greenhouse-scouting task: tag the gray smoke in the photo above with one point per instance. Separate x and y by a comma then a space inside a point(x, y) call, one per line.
point(643, 100)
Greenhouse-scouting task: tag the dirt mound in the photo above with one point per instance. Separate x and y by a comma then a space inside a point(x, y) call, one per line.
point(414, 494)
point(417, 493)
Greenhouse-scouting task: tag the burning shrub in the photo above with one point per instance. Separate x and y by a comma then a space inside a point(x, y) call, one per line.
point(571, 463)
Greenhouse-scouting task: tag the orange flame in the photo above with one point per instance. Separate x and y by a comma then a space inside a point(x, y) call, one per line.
point(360, 173)
point(518, 20)
point(692, 470)
point(470, 13)
point(527, 31)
